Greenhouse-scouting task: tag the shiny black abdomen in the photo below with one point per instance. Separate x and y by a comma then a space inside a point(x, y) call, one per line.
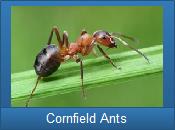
point(47, 61)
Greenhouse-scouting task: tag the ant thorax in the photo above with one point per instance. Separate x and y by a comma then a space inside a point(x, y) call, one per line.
point(85, 43)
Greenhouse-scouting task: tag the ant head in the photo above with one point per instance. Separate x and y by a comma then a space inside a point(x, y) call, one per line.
point(104, 38)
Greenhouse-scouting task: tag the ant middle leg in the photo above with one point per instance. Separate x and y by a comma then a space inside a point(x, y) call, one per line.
point(55, 29)
point(107, 57)
point(81, 72)
point(78, 60)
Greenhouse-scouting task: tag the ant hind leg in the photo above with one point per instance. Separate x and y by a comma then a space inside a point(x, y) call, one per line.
point(65, 39)
point(33, 90)
point(55, 29)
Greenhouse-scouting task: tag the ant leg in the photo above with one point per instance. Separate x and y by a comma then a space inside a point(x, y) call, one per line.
point(55, 29)
point(81, 73)
point(106, 56)
point(27, 103)
point(65, 39)
point(126, 44)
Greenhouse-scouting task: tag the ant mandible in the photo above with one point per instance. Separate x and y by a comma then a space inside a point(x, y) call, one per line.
point(49, 58)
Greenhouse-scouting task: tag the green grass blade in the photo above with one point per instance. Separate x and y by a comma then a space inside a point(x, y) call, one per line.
point(96, 72)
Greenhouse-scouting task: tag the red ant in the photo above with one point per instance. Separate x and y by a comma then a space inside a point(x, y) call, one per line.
point(49, 58)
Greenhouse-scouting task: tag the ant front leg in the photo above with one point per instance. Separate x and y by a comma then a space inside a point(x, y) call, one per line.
point(126, 44)
point(107, 57)
point(55, 29)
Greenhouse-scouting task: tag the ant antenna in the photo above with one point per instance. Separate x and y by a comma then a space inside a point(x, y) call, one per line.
point(125, 36)
point(126, 44)
point(27, 103)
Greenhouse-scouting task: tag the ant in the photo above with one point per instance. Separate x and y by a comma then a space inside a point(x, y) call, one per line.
point(49, 58)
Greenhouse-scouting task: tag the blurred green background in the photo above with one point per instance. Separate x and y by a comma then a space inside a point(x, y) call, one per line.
point(30, 29)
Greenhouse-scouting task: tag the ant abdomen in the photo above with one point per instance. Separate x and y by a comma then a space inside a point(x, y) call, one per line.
point(47, 61)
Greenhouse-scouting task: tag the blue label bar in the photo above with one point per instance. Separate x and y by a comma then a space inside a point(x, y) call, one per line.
point(52, 118)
